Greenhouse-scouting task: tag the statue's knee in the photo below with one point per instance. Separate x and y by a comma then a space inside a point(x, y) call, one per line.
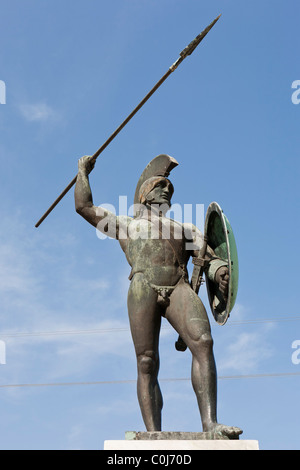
point(205, 341)
point(147, 363)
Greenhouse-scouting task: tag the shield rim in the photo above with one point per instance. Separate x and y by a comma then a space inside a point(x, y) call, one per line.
point(222, 318)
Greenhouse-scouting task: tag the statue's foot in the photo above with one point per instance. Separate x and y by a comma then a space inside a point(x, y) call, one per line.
point(229, 432)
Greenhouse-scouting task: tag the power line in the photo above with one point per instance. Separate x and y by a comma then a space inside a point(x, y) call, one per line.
point(63, 332)
point(115, 382)
point(123, 329)
point(264, 320)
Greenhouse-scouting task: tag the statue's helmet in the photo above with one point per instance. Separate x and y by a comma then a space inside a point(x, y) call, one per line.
point(149, 185)
point(159, 168)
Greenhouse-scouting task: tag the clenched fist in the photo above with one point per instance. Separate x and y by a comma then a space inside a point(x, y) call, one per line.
point(222, 278)
point(86, 164)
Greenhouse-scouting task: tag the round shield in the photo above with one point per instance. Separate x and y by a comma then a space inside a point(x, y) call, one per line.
point(221, 239)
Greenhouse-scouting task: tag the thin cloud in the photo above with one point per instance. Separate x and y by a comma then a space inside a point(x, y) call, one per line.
point(246, 353)
point(38, 112)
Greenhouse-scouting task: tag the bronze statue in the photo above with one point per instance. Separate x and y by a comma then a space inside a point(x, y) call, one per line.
point(158, 249)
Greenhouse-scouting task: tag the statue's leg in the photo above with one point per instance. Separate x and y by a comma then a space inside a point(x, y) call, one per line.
point(145, 321)
point(188, 316)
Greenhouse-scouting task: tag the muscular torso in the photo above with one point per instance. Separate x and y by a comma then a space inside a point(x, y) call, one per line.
point(160, 254)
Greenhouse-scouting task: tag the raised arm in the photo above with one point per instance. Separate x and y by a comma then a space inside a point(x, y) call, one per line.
point(104, 220)
point(83, 195)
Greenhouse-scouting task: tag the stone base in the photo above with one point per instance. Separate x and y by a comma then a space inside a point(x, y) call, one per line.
point(173, 436)
point(177, 441)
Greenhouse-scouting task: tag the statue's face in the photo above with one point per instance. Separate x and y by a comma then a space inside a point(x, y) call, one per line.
point(161, 193)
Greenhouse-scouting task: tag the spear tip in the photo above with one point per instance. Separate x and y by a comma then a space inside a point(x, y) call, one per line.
point(192, 46)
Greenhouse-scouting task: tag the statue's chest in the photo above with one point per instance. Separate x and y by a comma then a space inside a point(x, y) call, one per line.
point(156, 242)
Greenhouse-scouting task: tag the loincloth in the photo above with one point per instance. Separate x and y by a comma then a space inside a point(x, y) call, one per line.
point(163, 292)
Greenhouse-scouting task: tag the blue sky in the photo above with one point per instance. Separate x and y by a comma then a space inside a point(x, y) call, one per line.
point(73, 71)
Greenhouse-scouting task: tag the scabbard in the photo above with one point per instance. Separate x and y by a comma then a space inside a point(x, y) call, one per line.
point(200, 263)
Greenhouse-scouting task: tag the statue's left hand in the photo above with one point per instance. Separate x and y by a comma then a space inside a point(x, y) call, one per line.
point(222, 278)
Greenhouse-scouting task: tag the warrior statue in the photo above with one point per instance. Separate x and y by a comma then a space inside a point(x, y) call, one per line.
point(158, 249)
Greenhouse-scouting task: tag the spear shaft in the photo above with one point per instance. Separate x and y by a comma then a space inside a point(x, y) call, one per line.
point(187, 51)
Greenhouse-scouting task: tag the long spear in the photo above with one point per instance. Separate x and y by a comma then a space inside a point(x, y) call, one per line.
point(187, 51)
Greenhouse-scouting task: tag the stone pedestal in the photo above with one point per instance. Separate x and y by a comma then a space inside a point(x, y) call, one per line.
point(178, 441)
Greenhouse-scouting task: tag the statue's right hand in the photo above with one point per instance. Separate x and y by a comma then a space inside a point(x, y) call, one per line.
point(86, 164)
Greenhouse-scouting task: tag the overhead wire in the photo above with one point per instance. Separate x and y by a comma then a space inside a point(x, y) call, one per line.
point(175, 379)
point(120, 329)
